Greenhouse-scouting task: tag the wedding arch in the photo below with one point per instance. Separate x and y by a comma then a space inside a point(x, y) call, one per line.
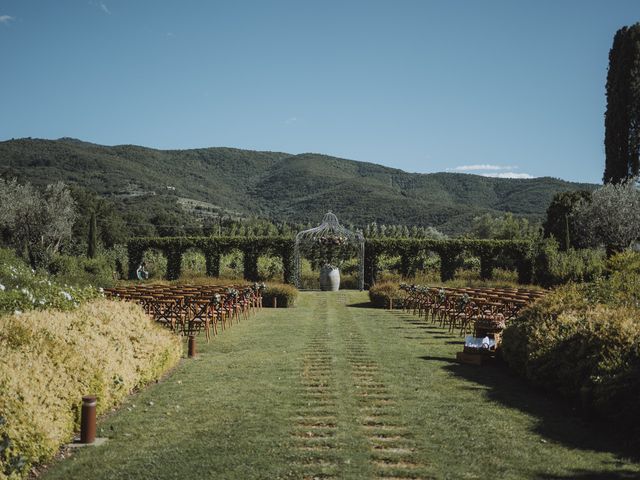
point(329, 236)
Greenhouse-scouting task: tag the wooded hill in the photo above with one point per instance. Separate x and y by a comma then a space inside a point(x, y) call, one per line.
point(274, 185)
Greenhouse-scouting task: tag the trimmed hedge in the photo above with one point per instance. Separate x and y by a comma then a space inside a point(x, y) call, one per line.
point(51, 358)
point(284, 294)
point(407, 248)
point(381, 295)
point(213, 248)
point(448, 250)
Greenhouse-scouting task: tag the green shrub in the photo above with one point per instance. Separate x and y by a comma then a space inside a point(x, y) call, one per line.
point(156, 264)
point(193, 263)
point(381, 294)
point(269, 268)
point(520, 337)
point(98, 272)
point(622, 285)
point(118, 258)
point(552, 267)
point(231, 265)
point(22, 289)
point(52, 358)
point(470, 263)
point(349, 281)
point(284, 294)
point(471, 278)
point(583, 340)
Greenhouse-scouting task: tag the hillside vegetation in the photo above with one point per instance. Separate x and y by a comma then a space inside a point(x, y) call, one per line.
point(280, 186)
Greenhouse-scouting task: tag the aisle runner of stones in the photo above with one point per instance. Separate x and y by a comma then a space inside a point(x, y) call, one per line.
point(315, 426)
point(332, 399)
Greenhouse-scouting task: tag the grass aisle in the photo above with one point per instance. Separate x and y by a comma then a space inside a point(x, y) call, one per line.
point(331, 389)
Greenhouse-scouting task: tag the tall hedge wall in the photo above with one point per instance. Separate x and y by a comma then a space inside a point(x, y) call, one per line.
point(448, 250)
point(406, 248)
point(213, 248)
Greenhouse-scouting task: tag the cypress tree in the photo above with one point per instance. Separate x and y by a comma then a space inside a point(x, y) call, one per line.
point(93, 227)
point(622, 118)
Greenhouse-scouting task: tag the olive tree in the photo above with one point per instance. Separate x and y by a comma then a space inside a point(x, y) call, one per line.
point(611, 218)
point(36, 222)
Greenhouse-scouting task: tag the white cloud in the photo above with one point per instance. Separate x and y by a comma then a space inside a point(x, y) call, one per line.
point(490, 170)
point(104, 8)
point(6, 19)
point(507, 175)
point(479, 167)
point(290, 120)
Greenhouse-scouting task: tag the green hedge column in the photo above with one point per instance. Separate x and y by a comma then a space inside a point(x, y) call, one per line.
point(135, 254)
point(449, 252)
point(525, 271)
point(174, 264)
point(250, 263)
point(487, 263)
point(288, 265)
point(406, 264)
point(447, 268)
point(212, 261)
point(371, 267)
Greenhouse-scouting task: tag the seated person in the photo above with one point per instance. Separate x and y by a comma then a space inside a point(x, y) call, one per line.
point(141, 272)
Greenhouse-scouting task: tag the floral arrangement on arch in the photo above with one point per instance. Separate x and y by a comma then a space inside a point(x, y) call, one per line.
point(332, 240)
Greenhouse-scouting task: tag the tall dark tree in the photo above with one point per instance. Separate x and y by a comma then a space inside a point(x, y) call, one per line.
point(622, 118)
point(558, 221)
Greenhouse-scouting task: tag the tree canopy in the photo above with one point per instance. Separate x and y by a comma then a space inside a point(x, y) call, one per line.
point(558, 222)
point(36, 222)
point(612, 218)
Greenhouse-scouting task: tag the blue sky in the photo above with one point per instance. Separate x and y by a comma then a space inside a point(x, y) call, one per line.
point(515, 87)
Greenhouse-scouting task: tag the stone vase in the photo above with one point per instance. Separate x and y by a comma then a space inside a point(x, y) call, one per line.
point(329, 279)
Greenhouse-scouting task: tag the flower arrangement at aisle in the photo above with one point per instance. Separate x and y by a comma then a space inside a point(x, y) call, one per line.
point(463, 300)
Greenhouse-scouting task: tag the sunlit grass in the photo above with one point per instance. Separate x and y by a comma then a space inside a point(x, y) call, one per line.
point(336, 389)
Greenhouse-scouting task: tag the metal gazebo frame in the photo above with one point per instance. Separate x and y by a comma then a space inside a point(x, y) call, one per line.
point(329, 228)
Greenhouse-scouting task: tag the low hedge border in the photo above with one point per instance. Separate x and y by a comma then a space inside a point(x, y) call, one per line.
point(285, 295)
point(386, 294)
point(50, 359)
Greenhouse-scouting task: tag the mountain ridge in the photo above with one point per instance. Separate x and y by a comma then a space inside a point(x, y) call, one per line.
point(279, 185)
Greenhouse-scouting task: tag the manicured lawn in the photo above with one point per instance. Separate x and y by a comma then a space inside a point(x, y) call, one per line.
point(333, 389)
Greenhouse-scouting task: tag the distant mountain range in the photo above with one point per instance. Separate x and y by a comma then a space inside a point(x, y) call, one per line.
point(279, 186)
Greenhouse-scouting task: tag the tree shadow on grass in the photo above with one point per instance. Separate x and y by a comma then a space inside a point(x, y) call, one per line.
point(361, 305)
point(586, 475)
point(557, 419)
point(432, 358)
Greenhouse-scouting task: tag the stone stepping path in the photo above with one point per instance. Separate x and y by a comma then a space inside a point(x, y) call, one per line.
point(331, 389)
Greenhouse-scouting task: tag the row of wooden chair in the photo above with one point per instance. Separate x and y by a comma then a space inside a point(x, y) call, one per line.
point(467, 309)
point(190, 309)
